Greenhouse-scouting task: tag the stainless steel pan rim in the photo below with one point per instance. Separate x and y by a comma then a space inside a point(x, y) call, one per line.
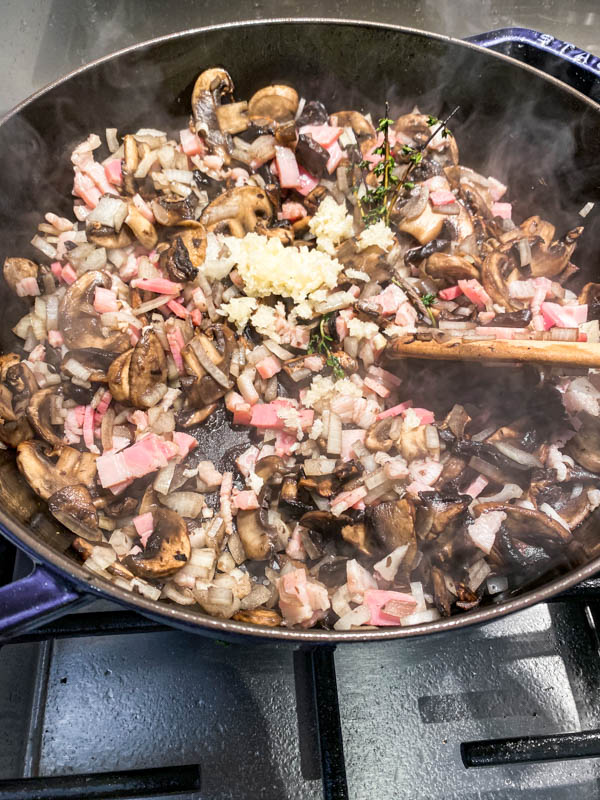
point(179, 616)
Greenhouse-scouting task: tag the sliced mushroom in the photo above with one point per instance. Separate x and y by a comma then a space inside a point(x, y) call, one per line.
point(254, 537)
point(415, 126)
point(143, 230)
point(271, 470)
point(355, 120)
point(378, 436)
point(38, 412)
point(356, 535)
point(272, 104)
point(108, 238)
point(186, 253)
point(46, 476)
point(167, 550)
point(148, 368)
point(174, 210)
point(441, 595)
point(584, 447)
point(413, 443)
point(237, 211)
point(495, 268)
point(425, 227)
point(549, 258)
point(190, 417)
point(199, 355)
point(311, 156)
point(438, 513)
point(370, 260)
point(233, 117)
point(92, 358)
point(526, 523)
point(73, 507)
point(118, 377)
point(16, 496)
point(259, 616)
point(450, 268)
point(210, 87)
point(392, 524)
point(16, 269)
point(80, 324)
point(17, 386)
point(325, 522)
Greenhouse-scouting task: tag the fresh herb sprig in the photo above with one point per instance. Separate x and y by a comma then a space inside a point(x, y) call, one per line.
point(320, 344)
point(375, 205)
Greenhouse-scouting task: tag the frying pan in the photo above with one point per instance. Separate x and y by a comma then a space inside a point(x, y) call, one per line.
point(533, 131)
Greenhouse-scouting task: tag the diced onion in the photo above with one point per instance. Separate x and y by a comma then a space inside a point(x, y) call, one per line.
point(334, 434)
point(516, 454)
point(319, 466)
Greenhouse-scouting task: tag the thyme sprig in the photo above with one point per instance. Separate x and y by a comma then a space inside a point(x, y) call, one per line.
point(375, 203)
point(320, 344)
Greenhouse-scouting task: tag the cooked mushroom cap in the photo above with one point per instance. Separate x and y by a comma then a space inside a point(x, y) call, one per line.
point(46, 476)
point(353, 119)
point(233, 117)
point(450, 268)
point(273, 104)
point(527, 522)
point(15, 269)
point(16, 496)
point(186, 253)
point(237, 211)
point(426, 227)
point(173, 210)
point(378, 438)
point(106, 237)
point(392, 524)
point(253, 535)
point(80, 324)
point(148, 367)
point(73, 507)
point(38, 412)
point(168, 548)
point(215, 79)
point(17, 386)
point(493, 271)
point(549, 258)
point(118, 377)
point(143, 230)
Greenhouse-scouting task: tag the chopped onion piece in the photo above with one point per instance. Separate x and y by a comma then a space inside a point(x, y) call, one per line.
point(521, 457)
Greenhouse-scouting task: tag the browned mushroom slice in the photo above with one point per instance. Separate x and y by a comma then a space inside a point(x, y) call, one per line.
point(353, 119)
point(143, 230)
point(425, 227)
point(438, 513)
point(527, 523)
point(323, 485)
point(174, 210)
point(584, 447)
point(16, 496)
point(190, 417)
point(370, 260)
point(378, 436)
point(590, 296)
point(259, 616)
point(18, 384)
point(73, 507)
point(254, 537)
point(186, 253)
point(413, 443)
point(167, 550)
point(46, 476)
point(450, 268)
point(392, 524)
point(118, 377)
point(210, 87)
point(494, 270)
point(273, 104)
point(356, 535)
point(80, 324)
point(441, 595)
point(16, 269)
point(237, 211)
point(147, 370)
point(38, 412)
point(233, 117)
point(325, 522)
point(549, 258)
point(106, 237)
point(96, 360)
point(210, 364)
point(416, 126)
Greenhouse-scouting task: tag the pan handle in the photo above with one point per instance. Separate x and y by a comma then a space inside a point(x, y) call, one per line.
point(544, 42)
point(32, 601)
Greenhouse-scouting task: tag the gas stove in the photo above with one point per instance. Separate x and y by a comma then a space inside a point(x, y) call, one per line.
point(106, 704)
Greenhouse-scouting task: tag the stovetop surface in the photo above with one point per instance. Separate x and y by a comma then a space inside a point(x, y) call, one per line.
point(248, 714)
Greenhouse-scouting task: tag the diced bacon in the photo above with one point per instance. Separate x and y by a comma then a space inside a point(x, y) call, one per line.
point(97, 174)
point(497, 189)
point(138, 418)
point(313, 363)
point(129, 270)
point(485, 316)
point(436, 183)
point(389, 300)
point(503, 210)
point(341, 328)
point(302, 601)
point(406, 316)
point(57, 269)
point(417, 486)
point(395, 410)
point(264, 415)
point(55, 338)
point(38, 353)
point(568, 316)
point(377, 387)
point(134, 335)
point(388, 608)
point(501, 332)
point(84, 187)
point(144, 525)
point(267, 367)
point(157, 285)
point(325, 135)
point(176, 345)
point(287, 167)
point(191, 143)
point(88, 430)
point(244, 501)
point(292, 211)
point(185, 443)
point(242, 414)
point(225, 501)
point(69, 275)
point(396, 469)
point(477, 486)
point(27, 287)
point(451, 293)
point(483, 531)
point(425, 417)
point(209, 475)
point(426, 471)
point(143, 207)
point(113, 171)
point(103, 404)
point(346, 500)
point(335, 156)
point(178, 309)
point(233, 400)
point(72, 427)
point(247, 460)
point(196, 317)
point(284, 443)
point(145, 456)
point(359, 580)
point(475, 292)
point(441, 197)
point(105, 300)
point(295, 547)
point(388, 378)
point(582, 337)
point(349, 438)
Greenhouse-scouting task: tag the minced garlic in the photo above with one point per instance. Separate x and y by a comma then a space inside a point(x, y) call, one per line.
point(239, 310)
point(331, 224)
point(378, 234)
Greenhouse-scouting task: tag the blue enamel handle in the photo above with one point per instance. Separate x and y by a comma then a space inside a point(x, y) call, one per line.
point(544, 42)
point(32, 601)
